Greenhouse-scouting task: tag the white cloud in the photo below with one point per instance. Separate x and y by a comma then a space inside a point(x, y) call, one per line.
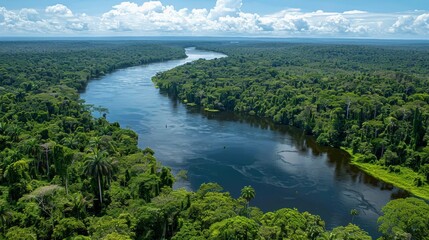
point(29, 14)
point(225, 8)
point(59, 10)
point(226, 17)
point(57, 19)
point(351, 12)
point(410, 24)
point(2, 14)
point(288, 23)
point(403, 24)
point(335, 24)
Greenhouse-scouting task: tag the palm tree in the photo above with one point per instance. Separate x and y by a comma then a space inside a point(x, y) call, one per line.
point(71, 141)
point(77, 205)
point(248, 193)
point(13, 131)
point(354, 212)
point(95, 142)
point(99, 167)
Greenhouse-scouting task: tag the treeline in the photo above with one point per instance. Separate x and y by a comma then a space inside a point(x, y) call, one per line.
point(68, 175)
point(371, 99)
point(72, 64)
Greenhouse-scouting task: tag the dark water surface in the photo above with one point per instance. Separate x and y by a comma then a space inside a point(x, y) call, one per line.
point(286, 168)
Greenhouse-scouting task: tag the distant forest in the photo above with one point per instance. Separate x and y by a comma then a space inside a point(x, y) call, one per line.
point(372, 100)
point(68, 175)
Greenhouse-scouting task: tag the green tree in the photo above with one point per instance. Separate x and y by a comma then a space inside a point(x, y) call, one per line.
point(248, 193)
point(117, 236)
point(171, 204)
point(213, 207)
point(354, 213)
point(44, 197)
point(408, 215)
point(188, 232)
point(100, 169)
point(349, 232)
point(208, 187)
point(21, 233)
point(69, 227)
point(100, 227)
point(236, 228)
point(289, 223)
point(77, 205)
point(17, 175)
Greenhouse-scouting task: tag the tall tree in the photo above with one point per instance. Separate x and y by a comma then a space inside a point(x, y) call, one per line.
point(99, 168)
point(248, 193)
point(354, 213)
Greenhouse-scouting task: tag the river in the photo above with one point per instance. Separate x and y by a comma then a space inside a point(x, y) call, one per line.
point(286, 168)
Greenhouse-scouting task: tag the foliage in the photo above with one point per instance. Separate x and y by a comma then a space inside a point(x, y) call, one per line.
point(349, 232)
point(405, 216)
point(239, 228)
point(21, 233)
point(101, 227)
point(68, 227)
point(372, 99)
point(403, 177)
point(289, 223)
point(66, 174)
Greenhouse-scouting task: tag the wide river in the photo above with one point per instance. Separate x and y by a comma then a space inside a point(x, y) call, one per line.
point(286, 168)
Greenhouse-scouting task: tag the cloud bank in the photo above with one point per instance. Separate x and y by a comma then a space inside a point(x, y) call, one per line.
point(225, 19)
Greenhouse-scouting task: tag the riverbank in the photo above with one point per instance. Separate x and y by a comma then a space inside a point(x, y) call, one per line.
point(403, 179)
point(275, 159)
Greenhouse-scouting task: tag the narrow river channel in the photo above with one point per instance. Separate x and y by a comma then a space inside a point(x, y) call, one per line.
point(286, 168)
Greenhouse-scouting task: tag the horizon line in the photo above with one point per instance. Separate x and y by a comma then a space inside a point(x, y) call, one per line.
point(168, 37)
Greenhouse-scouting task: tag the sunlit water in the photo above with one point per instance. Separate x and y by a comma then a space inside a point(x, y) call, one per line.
point(286, 168)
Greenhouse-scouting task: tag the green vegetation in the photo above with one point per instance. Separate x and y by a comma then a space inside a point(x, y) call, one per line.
point(211, 110)
point(68, 175)
point(401, 177)
point(405, 219)
point(371, 99)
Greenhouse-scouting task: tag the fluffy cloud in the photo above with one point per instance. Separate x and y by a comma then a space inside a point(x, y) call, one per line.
point(2, 13)
point(27, 14)
point(226, 17)
point(59, 10)
point(410, 24)
point(225, 8)
point(150, 16)
point(57, 19)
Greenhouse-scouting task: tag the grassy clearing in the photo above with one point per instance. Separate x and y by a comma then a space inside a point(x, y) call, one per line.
point(404, 179)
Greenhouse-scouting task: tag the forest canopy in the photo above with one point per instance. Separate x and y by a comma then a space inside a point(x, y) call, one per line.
point(68, 175)
point(370, 99)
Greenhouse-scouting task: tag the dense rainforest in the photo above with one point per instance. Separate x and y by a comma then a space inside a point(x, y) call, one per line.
point(65, 174)
point(372, 100)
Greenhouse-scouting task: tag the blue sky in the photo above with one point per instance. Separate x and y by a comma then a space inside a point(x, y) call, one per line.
point(258, 6)
point(268, 18)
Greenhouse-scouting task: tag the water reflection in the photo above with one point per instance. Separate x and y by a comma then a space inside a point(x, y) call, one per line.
point(305, 145)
